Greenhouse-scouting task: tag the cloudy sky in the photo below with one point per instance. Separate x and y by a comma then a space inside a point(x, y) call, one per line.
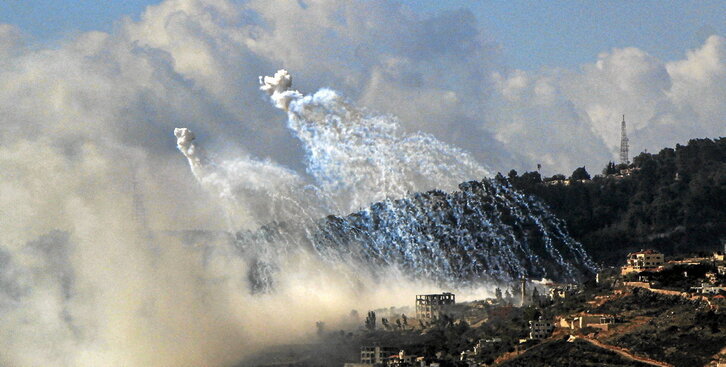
point(514, 84)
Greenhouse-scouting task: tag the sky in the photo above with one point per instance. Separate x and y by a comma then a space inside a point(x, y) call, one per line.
point(516, 84)
point(531, 34)
point(535, 34)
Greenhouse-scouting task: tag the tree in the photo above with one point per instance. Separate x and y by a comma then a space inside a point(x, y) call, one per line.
point(320, 328)
point(535, 296)
point(580, 173)
point(531, 178)
point(384, 322)
point(498, 294)
point(610, 169)
point(405, 319)
point(371, 321)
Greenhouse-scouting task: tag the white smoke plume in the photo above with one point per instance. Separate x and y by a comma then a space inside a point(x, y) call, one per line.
point(252, 192)
point(360, 157)
point(185, 143)
point(278, 87)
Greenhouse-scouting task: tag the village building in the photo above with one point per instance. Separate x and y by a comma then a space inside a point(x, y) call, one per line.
point(540, 329)
point(470, 354)
point(431, 306)
point(599, 321)
point(404, 360)
point(644, 260)
point(371, 355)
point(718, 256)
point(707, 288)
point(562, 291)
point(377, 356)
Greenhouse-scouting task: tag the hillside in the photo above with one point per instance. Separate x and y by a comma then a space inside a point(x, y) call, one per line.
point(672, 201)
point(485, 232)
point(560, 352)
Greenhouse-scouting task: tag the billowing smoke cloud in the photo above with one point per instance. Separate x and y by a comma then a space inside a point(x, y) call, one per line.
point(91, 180)
point(278, 87)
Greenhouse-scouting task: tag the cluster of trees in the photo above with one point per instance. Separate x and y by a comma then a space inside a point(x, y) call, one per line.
point(399, 324)
point(513, 295)
point(671, 201)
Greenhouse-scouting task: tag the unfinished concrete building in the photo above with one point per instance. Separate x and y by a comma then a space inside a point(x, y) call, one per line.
point(431, 306)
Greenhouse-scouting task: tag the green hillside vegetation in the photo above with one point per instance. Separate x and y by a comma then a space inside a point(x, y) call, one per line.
point(672, 201)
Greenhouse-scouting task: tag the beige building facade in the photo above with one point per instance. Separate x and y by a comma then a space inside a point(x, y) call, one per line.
point(644, 260)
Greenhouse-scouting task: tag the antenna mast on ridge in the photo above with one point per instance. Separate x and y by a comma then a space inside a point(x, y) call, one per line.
point(624, 144)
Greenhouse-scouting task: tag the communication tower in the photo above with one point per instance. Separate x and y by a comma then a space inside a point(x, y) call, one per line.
point(623, 144)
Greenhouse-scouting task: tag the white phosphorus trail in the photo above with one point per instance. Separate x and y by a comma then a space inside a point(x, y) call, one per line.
point(475, 236)
point(359, 157)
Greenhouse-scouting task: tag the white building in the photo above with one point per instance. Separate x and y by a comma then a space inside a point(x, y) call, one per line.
point(707, 288)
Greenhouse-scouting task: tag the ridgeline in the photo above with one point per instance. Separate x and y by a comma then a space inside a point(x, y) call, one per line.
point(672, 201)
